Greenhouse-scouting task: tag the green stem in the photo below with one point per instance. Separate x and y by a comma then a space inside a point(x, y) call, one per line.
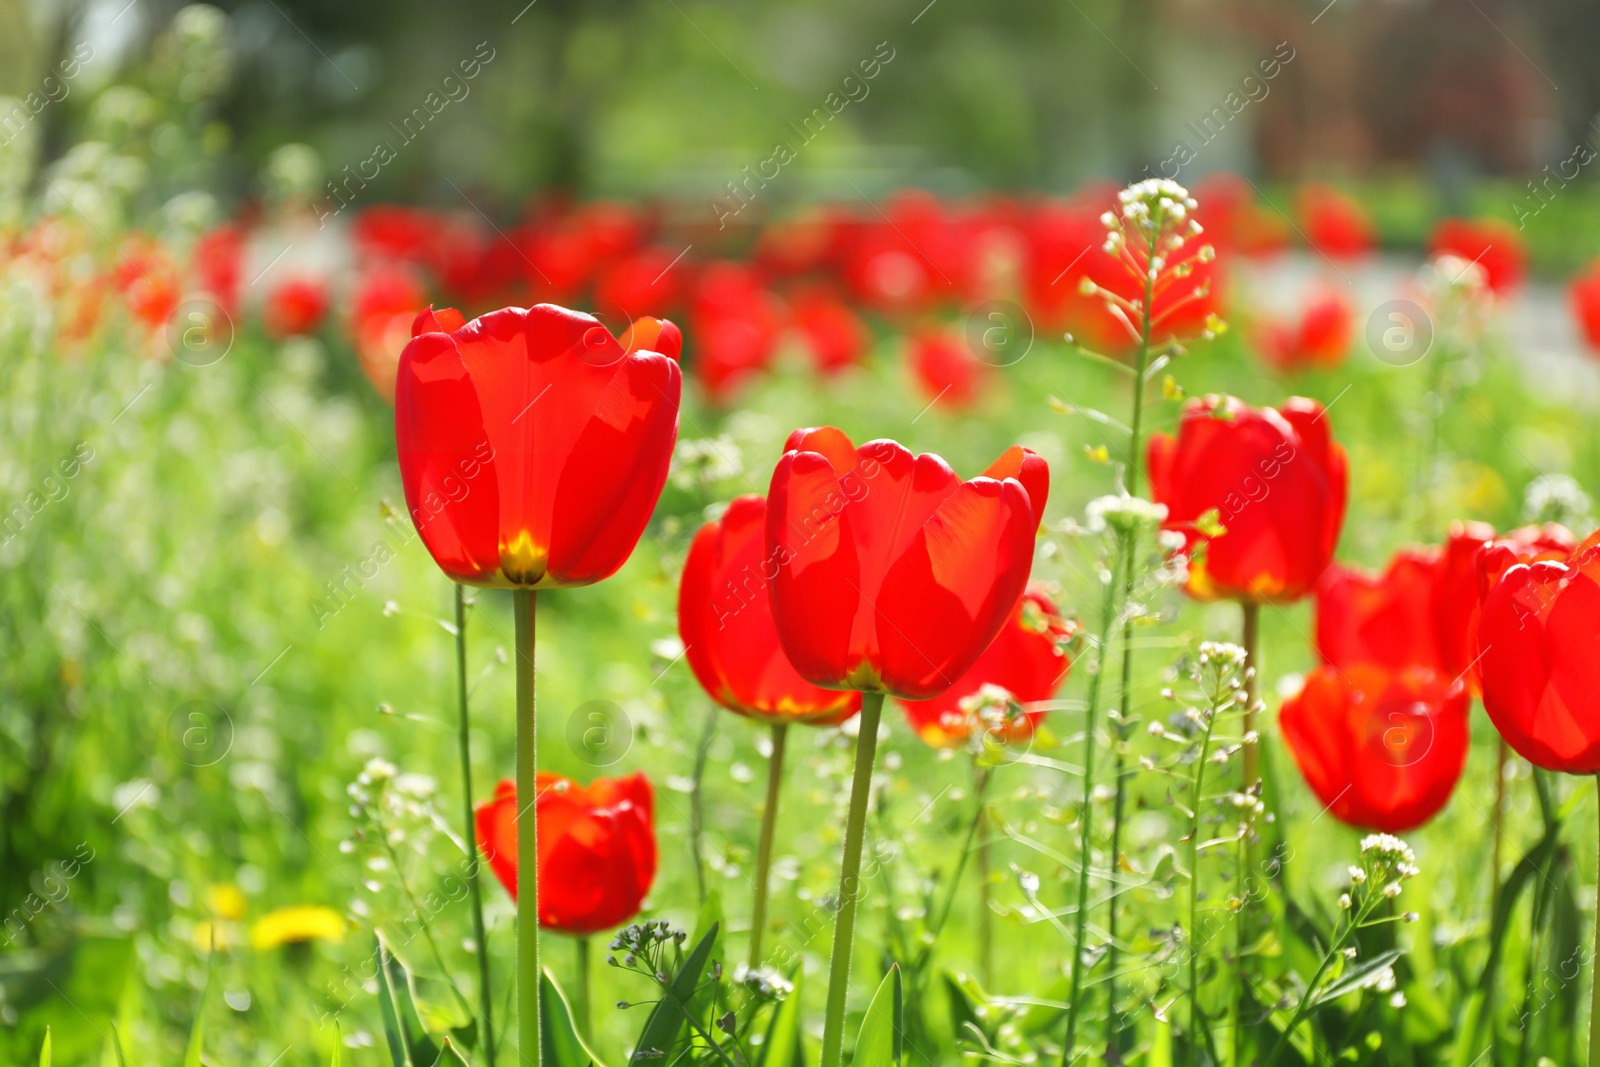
point(1594, 987)
point(697, 803)
point(485, 994)
point(844, 920)
point(1125, 703)
point(1091, 713)
point(1497, 820)
point(528, 1048)
point(583, 994)
point(1248, 637)
point(985, 912)
point(769, 823)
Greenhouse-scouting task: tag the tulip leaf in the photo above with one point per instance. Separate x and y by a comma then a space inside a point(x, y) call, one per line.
point(785, 1043)
point(1358, 977)
point(191, 1055)
point(409, 1043)
point(560, 1044)
point(710, 918)
point(44, 1052)
point(450, 1056)
point(661, 1030)
point(882, 1031)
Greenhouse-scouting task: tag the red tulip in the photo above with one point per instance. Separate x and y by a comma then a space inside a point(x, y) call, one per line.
point(1027, 662)
point(295, 308)
point(729, 638)
point(1381, 749)
point(1335, 224)
point(1385, 619)
point(1538, 632)
point(1492, 244)
point(1277, 482)
point(1319, 339)
point(1456, 598)
point(1419, 612)
point(597, 848)
point(945, 369)
point(533, 445)
point(893, 574)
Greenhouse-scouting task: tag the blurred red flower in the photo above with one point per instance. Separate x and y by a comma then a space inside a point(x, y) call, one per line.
point(1584, 293)
point(643, 279)
point(219, 264)
point(735, 323)
point(1335, 223)
point(729, 637)
point(387, 302)
point(1382, 749)
point(1537, 634)
point(833, 334)
point(509, 486)
point(597, 848)
point(944, 368)
point(1234, 220)
point(1318, 340)
point(893, 574)
point(295, 308)
point(1492, 244)
point(1026, 662)
point(148, 280)
point(1276, 480)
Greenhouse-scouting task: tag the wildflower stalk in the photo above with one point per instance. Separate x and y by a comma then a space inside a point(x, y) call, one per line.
point(1108, 616)
point(1125, 701)
point(980, 785)
point(528, 1048)
point(769, 822)
point(1197, 785)
point(1386, 863)
point(844, 919)
point(485, 994)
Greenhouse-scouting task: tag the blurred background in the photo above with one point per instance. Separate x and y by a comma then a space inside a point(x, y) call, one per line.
point(672, 98)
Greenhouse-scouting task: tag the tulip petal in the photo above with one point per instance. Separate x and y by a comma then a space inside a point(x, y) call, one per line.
point(447, 464)
point(611, 481)
point(945, 598)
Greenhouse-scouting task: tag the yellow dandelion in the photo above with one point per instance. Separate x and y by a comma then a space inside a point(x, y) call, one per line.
point(225, 901)
point(297, 923)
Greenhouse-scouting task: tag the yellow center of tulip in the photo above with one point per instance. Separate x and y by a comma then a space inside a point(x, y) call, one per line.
point(522, 561)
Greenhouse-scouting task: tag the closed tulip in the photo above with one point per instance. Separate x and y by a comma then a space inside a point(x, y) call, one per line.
point(1276, 481)
point(597, 848)
point(1537, 634)
point(1025, 664)
point(1382, 749)
point(893, 574)
point(1418, 612)
point(729, 637)
point(532, 444)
